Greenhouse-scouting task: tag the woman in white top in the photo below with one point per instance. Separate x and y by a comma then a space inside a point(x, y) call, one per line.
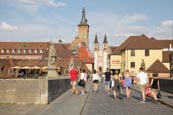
point(95, 79)
point(83, 77)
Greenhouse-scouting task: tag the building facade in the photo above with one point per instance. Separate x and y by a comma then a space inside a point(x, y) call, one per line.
point(101, 60)
point(83, 34)
point(31, 54)
point(141, 51)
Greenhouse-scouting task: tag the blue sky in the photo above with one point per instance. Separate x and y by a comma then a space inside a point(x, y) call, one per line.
point(45, 20)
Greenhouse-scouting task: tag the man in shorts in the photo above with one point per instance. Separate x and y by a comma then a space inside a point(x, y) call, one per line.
point(107, 81)
point(142, 81)
point(73, 75)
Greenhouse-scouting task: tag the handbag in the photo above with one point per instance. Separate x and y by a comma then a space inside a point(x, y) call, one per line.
point(81, 82)
point(112, 83)
point(159, 94)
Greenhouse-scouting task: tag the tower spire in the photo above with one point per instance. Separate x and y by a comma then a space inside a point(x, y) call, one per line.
point(83, 19)
point(96, 39)
point(105, 39)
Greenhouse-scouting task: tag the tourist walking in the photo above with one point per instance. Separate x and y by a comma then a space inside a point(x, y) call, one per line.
point(83, 78)
point(95, 79)
point(155, 86)
point(117, 85)
point(127, 83)
point(107, 81)
point(73, 77)
point(142, 80)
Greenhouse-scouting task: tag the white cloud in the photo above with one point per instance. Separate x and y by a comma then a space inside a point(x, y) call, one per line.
point(8, 27)
point(38, 3)
point(129, 19)
point(167, 23)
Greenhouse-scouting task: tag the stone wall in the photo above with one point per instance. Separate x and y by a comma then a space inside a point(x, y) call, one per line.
point(32, 91)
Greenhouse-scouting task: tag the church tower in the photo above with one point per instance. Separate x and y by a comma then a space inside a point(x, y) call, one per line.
point(96, 51)
point(101, 55)
point(83, 34)
point(83, 29)
point(105, 53)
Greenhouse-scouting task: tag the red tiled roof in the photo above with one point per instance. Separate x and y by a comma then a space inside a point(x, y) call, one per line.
point(157, 66)
point(143, 42)
point(84, 53)
point(24, 45)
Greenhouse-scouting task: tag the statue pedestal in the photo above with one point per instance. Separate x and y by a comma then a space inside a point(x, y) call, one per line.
point(52, 73)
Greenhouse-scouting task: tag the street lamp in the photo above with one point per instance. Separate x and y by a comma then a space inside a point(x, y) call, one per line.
point(170, 60)
point(75, 53)
point(170, 49)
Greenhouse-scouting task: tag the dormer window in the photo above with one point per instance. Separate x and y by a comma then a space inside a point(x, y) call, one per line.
point(13, 51)
point(41, 51)
point(18, 51)
point(24, 51)
point(35, 51)
point(8, 51)
point(30, 51)
point(2, 51)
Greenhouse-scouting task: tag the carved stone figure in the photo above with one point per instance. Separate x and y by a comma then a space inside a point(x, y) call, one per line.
point(52, 62)
point(52, 56)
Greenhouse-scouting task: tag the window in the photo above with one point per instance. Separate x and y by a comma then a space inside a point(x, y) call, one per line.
point(30, 51)
point(2, 51)
point(147, 52)
point(24, 51)
point(18, 51)
point(100, 53)
point(41, 51)
point(13, 51)
point(35, 51)
point(132, 52)
point(8, 51)
point(132, 64)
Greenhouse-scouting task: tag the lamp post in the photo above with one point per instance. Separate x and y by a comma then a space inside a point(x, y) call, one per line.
point(170, 60)
point(170, 49)
point(75, 53)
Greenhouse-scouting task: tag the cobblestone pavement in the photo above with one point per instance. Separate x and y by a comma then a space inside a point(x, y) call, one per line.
point(104, 104)
point(96, 104)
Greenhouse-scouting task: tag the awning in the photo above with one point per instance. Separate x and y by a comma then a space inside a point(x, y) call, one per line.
point(26, 67)
point(16, 67)
point(35, 67)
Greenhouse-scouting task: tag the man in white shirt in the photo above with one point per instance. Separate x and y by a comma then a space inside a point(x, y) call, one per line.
point(142, 81)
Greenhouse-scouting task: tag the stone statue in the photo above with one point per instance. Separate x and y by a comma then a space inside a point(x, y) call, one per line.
point(52, 56)
point(52, 62)
point(143, 64)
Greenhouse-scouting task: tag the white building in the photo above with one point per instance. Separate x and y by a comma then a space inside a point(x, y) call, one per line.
point(101, 62)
